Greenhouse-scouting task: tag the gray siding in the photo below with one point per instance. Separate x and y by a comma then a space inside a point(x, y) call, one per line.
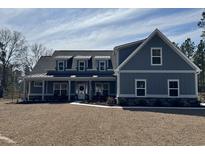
point(125, 52)
point(157, 83)
point(170, 59)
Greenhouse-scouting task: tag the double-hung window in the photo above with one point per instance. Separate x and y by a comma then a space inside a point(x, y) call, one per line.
point(140, 87)
point(60, 89)
point(102, 65)
point(173, 88)
point(61, 65)
point(81, 65)
point(156, 56)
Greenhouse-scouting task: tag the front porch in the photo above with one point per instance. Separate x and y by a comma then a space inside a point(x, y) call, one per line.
point(59, 89)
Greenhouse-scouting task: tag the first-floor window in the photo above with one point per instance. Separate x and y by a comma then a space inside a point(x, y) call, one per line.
point(140, 86)
point(102, 89)
point(173, 87)
point(60, 89)
point(37, 84)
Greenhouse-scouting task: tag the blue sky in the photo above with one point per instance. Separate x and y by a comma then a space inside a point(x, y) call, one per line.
point(99, 28)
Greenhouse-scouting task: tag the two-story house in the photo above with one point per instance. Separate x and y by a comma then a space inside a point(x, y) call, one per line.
point(149, 68)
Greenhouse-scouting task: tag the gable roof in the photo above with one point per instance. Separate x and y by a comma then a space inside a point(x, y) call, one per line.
point(164, 38)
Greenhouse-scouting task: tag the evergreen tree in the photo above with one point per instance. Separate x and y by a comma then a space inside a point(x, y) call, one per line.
point(199, 60)
point(188, 47)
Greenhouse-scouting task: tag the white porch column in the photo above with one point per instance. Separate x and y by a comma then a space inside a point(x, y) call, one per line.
point(29, 89)
point(69, 90)
point(90, 92)
point(43, 90)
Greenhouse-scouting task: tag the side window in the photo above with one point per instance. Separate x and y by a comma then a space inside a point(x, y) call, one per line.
point(156, 56)
point(173, 88)
point(140, 87)
point(61, 65)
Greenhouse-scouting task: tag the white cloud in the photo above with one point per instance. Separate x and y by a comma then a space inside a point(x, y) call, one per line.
point(101, 29)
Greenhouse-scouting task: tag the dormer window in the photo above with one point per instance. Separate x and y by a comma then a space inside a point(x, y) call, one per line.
point(156, 56)
point(60, 65)
point(102, 65)
point(81, 65)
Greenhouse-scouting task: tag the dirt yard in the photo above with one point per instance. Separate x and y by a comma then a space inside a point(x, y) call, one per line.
point(66, 124)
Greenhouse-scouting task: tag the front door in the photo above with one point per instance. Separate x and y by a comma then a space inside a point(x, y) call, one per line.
point(81, 91)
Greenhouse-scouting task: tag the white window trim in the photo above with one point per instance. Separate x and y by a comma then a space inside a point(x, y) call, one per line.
point(105, 64)
point(102, 87)
point(175, 80)
point(60, 87)
point(136, 80)
point(36, 85)
point(59, 61)
point(156, 48)
point(79, 65)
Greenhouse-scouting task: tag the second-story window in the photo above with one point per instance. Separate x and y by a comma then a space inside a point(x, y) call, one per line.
point(156, 56)
point(102, 65)
point(61, 65)
point(81, 66)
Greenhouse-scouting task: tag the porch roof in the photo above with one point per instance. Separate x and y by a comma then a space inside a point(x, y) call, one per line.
point(68, 77)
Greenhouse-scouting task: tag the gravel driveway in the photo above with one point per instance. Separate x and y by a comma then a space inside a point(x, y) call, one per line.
point(66, 124)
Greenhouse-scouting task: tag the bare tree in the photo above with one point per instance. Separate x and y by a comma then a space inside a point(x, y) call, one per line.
point(12, 46)
point(32, 56)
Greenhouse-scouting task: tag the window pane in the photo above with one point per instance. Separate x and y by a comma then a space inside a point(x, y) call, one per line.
point(98, 88)
point(63, 92)
point(156, 60)
point(57, 86)
point(63, 86)
point(81, 66)
point(105, 86)
point(140, 92)
point(173, 92)
point(156, 52)
point(140, 84)
point(56, 92)
point(60, 66)
point(105, 92)
point(37, 83)
point(102, 65)
point(173, 84)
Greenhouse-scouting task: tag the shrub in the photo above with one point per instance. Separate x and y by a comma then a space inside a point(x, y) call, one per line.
point(111, 101)
point(122, 101)
point(142, 102)
point(166, 104)
point(158, 103)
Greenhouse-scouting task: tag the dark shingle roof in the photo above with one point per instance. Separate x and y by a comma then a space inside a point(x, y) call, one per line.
point(44, 64)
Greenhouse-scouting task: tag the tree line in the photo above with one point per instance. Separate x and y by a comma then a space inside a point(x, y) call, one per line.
point(196, 53)
point(17, 57)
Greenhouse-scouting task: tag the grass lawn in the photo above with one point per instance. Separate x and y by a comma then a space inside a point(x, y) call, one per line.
point(66, 124)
